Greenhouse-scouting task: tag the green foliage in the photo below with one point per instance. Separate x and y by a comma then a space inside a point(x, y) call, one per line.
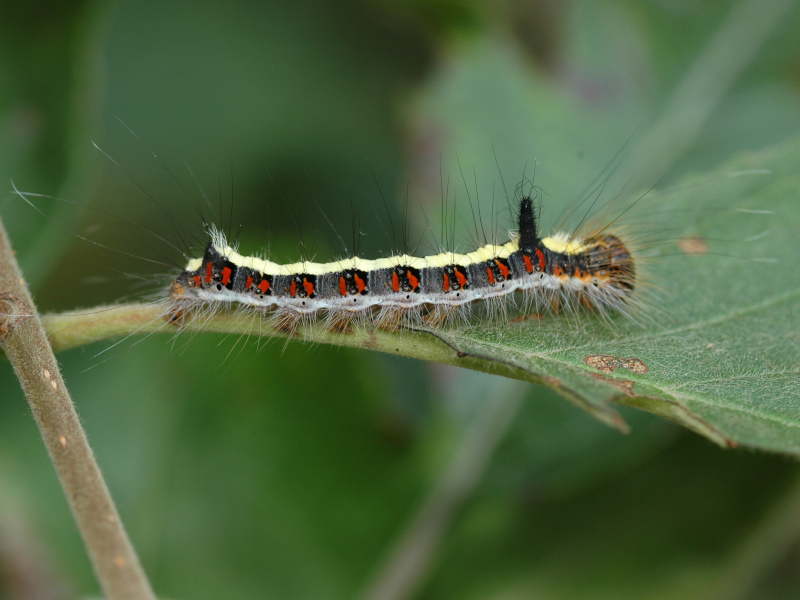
point(718, 342)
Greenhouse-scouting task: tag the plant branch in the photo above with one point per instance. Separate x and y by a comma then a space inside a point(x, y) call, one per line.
point(23, 339)
point(108, 322)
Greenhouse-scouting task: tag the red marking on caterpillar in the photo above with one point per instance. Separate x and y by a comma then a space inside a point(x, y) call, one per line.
point(503, 268)
point(528, 264)
point(412, 280)
point(226, 276)
point(461, 277)
point(308, 286)
point(361, 285)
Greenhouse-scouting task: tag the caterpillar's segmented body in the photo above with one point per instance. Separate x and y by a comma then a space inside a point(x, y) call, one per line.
point(596, 271)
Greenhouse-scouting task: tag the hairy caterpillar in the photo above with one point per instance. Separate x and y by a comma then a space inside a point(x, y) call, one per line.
point(596, 271)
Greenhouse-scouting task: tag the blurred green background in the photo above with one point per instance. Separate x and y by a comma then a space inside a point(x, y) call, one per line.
point(250, 470)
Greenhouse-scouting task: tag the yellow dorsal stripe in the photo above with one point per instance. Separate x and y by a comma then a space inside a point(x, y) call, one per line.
point(267, 267)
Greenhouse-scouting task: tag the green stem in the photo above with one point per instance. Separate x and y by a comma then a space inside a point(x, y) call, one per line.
point(78, 328)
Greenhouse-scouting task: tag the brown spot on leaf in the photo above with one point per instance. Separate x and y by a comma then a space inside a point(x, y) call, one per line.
point(608, 363)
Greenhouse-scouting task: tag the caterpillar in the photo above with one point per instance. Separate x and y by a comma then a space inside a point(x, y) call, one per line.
point(566, 270)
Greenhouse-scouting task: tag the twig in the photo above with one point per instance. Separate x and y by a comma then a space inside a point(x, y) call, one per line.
point(23, 339)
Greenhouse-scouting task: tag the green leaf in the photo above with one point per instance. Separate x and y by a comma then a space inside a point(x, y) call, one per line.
point(720, 343)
